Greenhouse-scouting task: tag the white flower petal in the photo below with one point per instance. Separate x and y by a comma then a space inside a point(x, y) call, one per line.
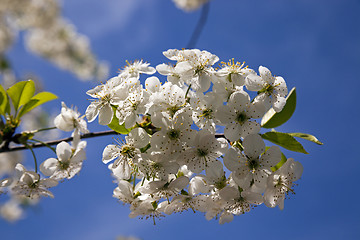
point(105, 114)
point(63, 151)
point(49, 166)
point(110, 153)
point(271, 157)
point(92, 111)
point(152, 84)
point(254, 82)
point(253, 146)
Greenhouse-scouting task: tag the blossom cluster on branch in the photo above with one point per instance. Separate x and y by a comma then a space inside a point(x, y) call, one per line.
point(192, 141)
point(173, 156)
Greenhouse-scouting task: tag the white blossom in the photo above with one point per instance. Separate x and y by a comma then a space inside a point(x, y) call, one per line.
point(272, 90)
point(68, 162)
point(196, 68)
point(31, 185)
point(204, 108)
point(205, 149)
point(237, 116)
point(175, 133)
point(126, 154)
point(108, 94)
point(69, 119)
point(133, 70)
point(239, 202)
point(281, 182)
point(11, 211)
point(254, 166)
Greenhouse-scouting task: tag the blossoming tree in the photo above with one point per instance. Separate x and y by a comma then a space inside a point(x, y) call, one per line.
point(192, 139)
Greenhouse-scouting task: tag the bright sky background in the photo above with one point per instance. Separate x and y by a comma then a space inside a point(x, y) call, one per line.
point(314, 45)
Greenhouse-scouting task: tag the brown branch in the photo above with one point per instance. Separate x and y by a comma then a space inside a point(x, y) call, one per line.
point(83, 136)
point(54, 142)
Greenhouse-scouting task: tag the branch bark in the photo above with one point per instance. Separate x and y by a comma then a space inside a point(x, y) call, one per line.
point(83, 136)
point(54, 142)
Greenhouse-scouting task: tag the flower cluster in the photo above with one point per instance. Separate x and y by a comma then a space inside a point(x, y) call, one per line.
point(49, 35)
point(26, 187)
point(173, 157)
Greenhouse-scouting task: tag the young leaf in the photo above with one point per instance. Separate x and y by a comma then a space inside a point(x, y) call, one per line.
point(36, 101)
point(272, 119)
point(284, 140)
point(114, 125)
point(4, 102)
point(306, 136)
point(21, 93)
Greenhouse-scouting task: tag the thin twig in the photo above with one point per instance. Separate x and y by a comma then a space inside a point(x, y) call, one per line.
point(86, 135)
point(54, 142)
point(199, 27)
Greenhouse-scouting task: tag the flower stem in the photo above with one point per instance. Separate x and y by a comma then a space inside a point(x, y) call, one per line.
point(43, 129)
point(45, 144)
point(199, 26)
point(187, 91)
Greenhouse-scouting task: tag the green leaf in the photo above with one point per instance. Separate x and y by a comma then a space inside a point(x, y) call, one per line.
point(284, 140)
point(272, 119)
point(306, 136)
point(114, 125)
point(21, 93)
point(36, 101)
point(4, 102)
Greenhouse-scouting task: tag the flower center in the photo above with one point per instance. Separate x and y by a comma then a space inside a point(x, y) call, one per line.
point(128, 151)
point(221, 183)
point(33, 185)
point(156, 166)
point(106, 98)
point(201, 152)
point(242, 118)
point(199, 69)
point(173, 110)
point(268, 89)
point(207, 113)
point(253, 164)
point(64, 164)
point(173, 134)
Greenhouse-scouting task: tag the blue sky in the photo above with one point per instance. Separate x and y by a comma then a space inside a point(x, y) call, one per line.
point(314, 45)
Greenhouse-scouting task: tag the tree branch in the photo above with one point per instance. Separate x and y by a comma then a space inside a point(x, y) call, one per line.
point(199, 27)
point(54, 142)
point(83, 136)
